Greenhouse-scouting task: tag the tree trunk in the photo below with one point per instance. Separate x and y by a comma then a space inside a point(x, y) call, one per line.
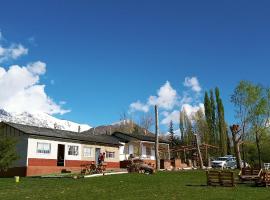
point(258, 149)
point(199, 152)
point(237, 151)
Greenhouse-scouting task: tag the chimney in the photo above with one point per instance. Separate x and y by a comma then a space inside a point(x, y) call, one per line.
point(79, 129)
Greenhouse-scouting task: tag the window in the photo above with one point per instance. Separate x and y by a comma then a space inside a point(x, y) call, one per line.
point(73, 150)
point(110, 154)
point(44, 148)
point(148, 151)
point(87, 152)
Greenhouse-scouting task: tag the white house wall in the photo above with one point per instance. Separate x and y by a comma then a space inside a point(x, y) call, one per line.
point(32, 149)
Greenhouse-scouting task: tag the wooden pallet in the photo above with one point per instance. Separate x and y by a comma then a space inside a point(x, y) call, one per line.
point(220, 178)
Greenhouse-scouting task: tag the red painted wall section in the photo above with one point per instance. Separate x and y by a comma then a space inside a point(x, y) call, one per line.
point(41, 162)
point(76, 163)
point(113, 164)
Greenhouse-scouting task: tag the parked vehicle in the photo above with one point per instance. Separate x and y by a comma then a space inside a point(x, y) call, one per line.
point(224, 162)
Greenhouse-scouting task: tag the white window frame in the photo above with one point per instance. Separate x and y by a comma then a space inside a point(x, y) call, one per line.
point(41, 148)
point(110, 154)
point(148, 151)
point(74, 151)
point(88, 154)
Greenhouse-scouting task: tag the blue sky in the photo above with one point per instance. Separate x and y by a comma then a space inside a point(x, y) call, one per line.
point(102, 56)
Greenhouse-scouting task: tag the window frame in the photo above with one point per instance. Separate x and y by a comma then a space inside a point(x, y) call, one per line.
point(91, 152)
point(73, 152)
point(43, 150)
point(110, 154)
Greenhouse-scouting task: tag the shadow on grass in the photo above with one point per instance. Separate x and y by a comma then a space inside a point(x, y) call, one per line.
point(196, 185)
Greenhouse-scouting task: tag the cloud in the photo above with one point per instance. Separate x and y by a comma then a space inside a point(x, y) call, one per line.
point(22, 92)
point(138, 106)
point(11, 52)
point(166, 97)
point(193, 83)
point(173, 116)
point(170, 103)
point(192, 109)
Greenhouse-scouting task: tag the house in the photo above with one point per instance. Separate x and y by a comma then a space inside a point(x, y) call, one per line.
point(46, 151)
point(141, 146)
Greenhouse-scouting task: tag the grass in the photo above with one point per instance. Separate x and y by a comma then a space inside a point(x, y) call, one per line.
point(165, 185)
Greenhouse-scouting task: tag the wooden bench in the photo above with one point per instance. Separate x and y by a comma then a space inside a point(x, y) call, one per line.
point(249, 174)
point(264, 179)
point(220, 178)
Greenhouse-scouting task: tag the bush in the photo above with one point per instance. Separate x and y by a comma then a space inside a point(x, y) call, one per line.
point(8, 153)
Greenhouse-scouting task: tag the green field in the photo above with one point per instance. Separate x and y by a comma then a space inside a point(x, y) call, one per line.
point(165, 185)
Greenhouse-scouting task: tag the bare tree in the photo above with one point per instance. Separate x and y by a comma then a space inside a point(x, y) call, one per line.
point(146, 121)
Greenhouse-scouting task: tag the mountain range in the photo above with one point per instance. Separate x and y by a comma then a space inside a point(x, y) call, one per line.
point(42, 120)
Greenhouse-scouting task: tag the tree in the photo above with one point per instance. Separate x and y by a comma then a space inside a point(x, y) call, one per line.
point(253, 111)
point(200, 126)
point(146, 121)
point(171, 134)
point(208, 117)
point(181, 125)
point(260, 113)
point(213, 118)
point(221, 124)
point(8, 153)
point(236, 141)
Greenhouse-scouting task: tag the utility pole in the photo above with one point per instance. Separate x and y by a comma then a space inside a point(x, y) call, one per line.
point(199, 151)
point(157, 139)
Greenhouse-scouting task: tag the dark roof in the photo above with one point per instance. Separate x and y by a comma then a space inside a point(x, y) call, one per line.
point(56, 133)
point(123, 137)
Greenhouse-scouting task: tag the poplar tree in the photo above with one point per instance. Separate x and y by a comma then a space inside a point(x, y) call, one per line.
point(208, 117)
point(213, 118)
point(221, 124)
point(171, 133)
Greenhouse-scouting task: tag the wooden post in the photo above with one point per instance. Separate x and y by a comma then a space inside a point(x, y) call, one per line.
point(157, 139)
point(199, 151)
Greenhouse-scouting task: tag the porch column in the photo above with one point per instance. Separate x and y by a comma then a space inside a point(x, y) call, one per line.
point(140, 150)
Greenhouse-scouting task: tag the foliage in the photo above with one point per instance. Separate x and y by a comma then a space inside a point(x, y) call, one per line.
point(252, 103)
point(7, 153)
point(221, 124)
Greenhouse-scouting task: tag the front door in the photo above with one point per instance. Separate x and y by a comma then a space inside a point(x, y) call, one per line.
point(61, 155)
point(97, 154)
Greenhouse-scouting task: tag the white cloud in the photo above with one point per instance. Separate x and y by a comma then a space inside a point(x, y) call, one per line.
point(191, 110)
point(170, 103)
point(138, 106)
point(166, 97)
point(173, 116)
point(37, 68)
point(193, 83)
point(21, 90)
point(12, 51)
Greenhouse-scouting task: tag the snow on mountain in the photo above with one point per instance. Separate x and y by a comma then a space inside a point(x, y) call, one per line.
point(41, 120)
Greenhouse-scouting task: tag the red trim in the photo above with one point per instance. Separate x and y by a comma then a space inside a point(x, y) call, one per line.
point(76, 163)
point(41, 162)
point(68, 163)
point(113, 164)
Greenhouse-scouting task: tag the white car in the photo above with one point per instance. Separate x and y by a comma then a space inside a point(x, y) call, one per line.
point(224, 162)
point(221, 162)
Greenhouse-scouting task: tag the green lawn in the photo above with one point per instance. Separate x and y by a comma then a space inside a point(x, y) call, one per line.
point(165, 185)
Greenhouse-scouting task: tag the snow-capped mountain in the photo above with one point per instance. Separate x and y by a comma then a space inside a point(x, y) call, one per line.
point(41, 120)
